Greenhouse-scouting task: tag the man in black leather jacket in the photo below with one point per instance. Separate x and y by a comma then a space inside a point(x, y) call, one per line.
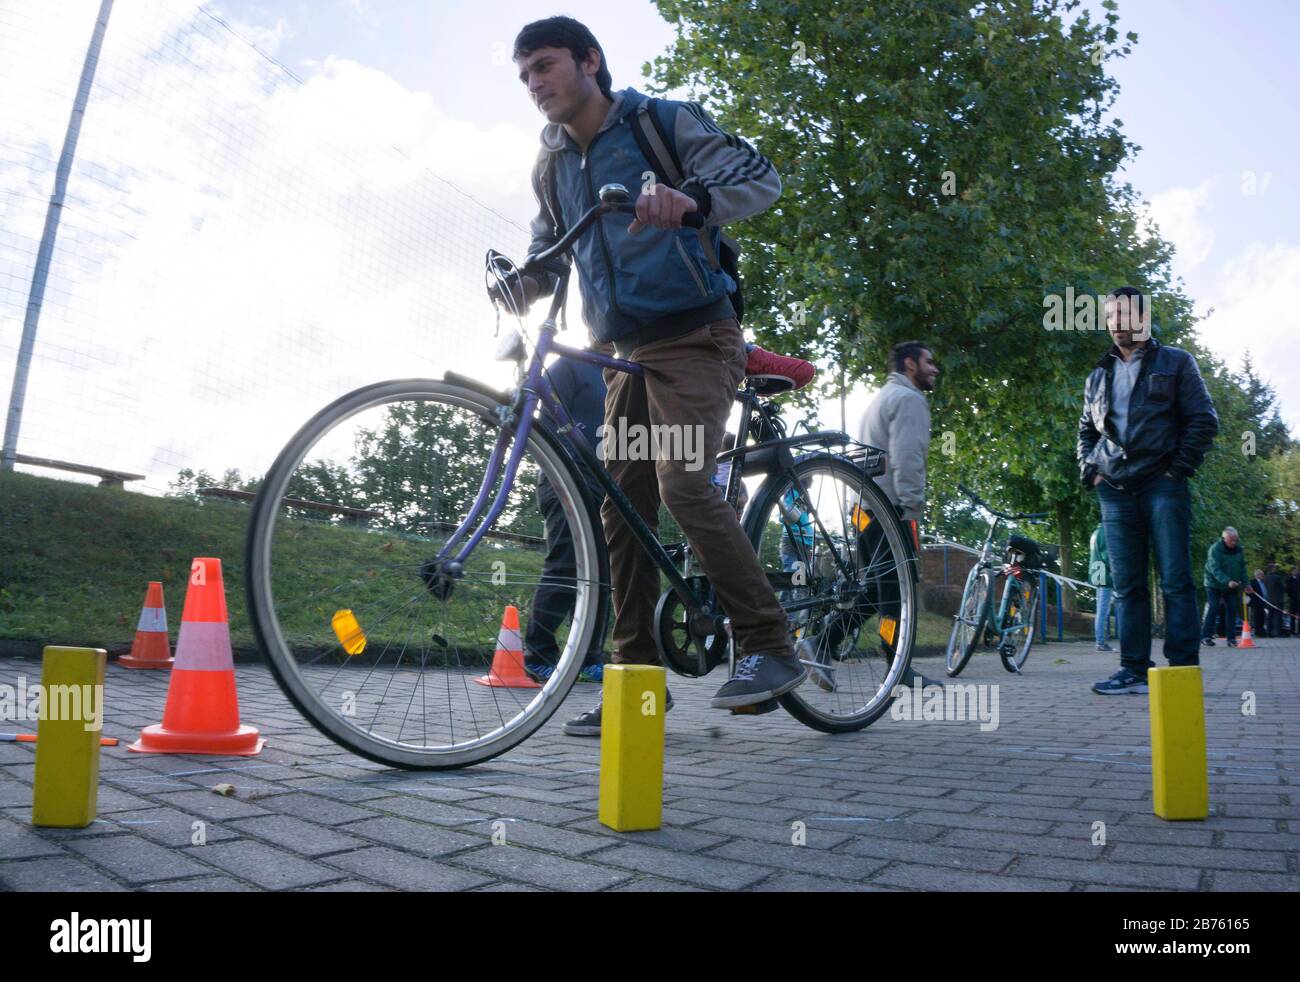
point(1146, 426)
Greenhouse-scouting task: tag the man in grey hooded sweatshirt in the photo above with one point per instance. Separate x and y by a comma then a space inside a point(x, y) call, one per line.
point(898, 422)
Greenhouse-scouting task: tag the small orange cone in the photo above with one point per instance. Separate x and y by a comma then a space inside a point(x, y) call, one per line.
point(1247, 639)
point(150, 648)
point(507, 670)
point(202, 714)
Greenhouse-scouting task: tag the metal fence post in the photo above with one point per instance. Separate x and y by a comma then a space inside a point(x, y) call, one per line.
point(40, 273)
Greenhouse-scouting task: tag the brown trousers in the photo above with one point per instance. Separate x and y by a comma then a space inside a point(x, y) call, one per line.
point(689, 382)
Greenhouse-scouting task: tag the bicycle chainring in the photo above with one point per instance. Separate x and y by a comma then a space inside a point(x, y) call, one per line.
point(690, 646)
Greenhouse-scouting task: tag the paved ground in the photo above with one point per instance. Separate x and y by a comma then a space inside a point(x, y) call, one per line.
point(902, 805)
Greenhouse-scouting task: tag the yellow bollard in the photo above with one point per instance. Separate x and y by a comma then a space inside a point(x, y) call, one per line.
point(1180, 781)
point(632, 748)
point(65, 792)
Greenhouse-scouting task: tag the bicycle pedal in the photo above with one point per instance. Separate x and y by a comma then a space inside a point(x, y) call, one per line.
point(757, 708)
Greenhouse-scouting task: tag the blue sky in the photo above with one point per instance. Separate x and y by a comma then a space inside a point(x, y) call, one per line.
point(1206, 93)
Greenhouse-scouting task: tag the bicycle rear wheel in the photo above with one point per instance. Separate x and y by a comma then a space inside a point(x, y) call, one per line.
point(1017, 642)
point(970, 620)
point(846, 578)
point(354, 636)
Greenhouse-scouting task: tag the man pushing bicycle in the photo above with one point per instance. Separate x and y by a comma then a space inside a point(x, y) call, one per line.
point(655, 293)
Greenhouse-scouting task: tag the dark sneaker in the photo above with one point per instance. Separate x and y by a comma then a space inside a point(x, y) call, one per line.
point(1121, 683)
point(1103, 646)
point(817, 658)
point(588, 724)
point(1208, 642)
point(1232, 644)
point(760, 678)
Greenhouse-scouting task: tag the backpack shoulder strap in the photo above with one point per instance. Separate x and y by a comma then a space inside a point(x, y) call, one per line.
point(657, 147)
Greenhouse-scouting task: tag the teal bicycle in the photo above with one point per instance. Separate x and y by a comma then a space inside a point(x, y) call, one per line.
point(1011, 627)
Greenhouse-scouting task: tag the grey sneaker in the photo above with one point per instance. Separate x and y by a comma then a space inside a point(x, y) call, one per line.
point(588, 723)
point(817, 659)
point(760, 678)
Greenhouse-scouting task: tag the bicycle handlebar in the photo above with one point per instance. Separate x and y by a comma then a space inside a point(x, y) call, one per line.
point(613, 198)
point(1023, 516)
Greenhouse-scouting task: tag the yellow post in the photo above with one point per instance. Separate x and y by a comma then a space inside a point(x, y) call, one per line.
point(632, 748)
point(66, 788)
point(1180, 781)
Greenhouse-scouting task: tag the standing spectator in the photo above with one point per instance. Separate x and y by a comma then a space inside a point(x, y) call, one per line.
point(1293, 598)
point(1257, 592)
point(1275, 594)
point(898, 422)
point(581, 388)
point(1225, 571)
point(1146, 425)
point(1099, 576)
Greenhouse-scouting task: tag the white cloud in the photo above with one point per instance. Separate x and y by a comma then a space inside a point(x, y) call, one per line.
point(1259, 312)
point(239, 249)
point(1179, 214)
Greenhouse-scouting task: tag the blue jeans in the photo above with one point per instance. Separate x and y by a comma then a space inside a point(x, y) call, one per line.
point(1159, 515)
point(1101, 622)
point(1218, 600)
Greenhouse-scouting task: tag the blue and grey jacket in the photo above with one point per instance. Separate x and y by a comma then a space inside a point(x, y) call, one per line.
point(658, 283)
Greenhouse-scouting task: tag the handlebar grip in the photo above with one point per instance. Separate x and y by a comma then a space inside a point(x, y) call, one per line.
point(692, 219)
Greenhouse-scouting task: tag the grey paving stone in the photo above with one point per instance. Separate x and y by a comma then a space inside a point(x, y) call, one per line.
point(199, 884)
point(303, 837)
point(798, 883)
point(799, 859)
point(136, 860)
point(668, 837)
point(263, 865)
point(944, 854)
point(315, 808)
point(1116, 874)
point(713, 873)
point(60, 873)
point(23, 842)
point(208, 804)
point(908, 876)
point(529, 866)
point(402, 871)
point(652, 884)
point(416, 837)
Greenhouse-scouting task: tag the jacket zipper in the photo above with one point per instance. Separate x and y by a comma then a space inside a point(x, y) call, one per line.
point(695, 273)
point(600, 228)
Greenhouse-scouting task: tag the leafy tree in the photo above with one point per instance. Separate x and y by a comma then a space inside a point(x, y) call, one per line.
point(949, 169)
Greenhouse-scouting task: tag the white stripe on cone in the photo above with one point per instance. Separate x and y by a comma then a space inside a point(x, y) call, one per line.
point(152, 619)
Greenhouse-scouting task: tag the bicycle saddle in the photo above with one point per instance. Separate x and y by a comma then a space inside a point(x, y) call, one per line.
point(1037, 555)
point(770, 374)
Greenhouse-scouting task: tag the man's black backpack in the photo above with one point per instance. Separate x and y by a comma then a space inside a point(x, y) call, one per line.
point(661, 153)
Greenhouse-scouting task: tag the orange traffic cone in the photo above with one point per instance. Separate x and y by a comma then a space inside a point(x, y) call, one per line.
point(1247, 639)
point(507, 670)
point(150, 648)
point(202, 714)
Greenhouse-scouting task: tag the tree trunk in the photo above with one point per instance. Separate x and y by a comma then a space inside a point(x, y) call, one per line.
point(1066, 530)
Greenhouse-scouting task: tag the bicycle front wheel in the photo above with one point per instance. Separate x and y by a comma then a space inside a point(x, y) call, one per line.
point(970, 620)
point(841, 564)
point(361, 640)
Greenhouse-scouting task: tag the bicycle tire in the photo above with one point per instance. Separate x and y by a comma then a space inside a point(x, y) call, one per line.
point(756, 522)
point(591, 603)
point(1016, 660)
point(973, 612)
